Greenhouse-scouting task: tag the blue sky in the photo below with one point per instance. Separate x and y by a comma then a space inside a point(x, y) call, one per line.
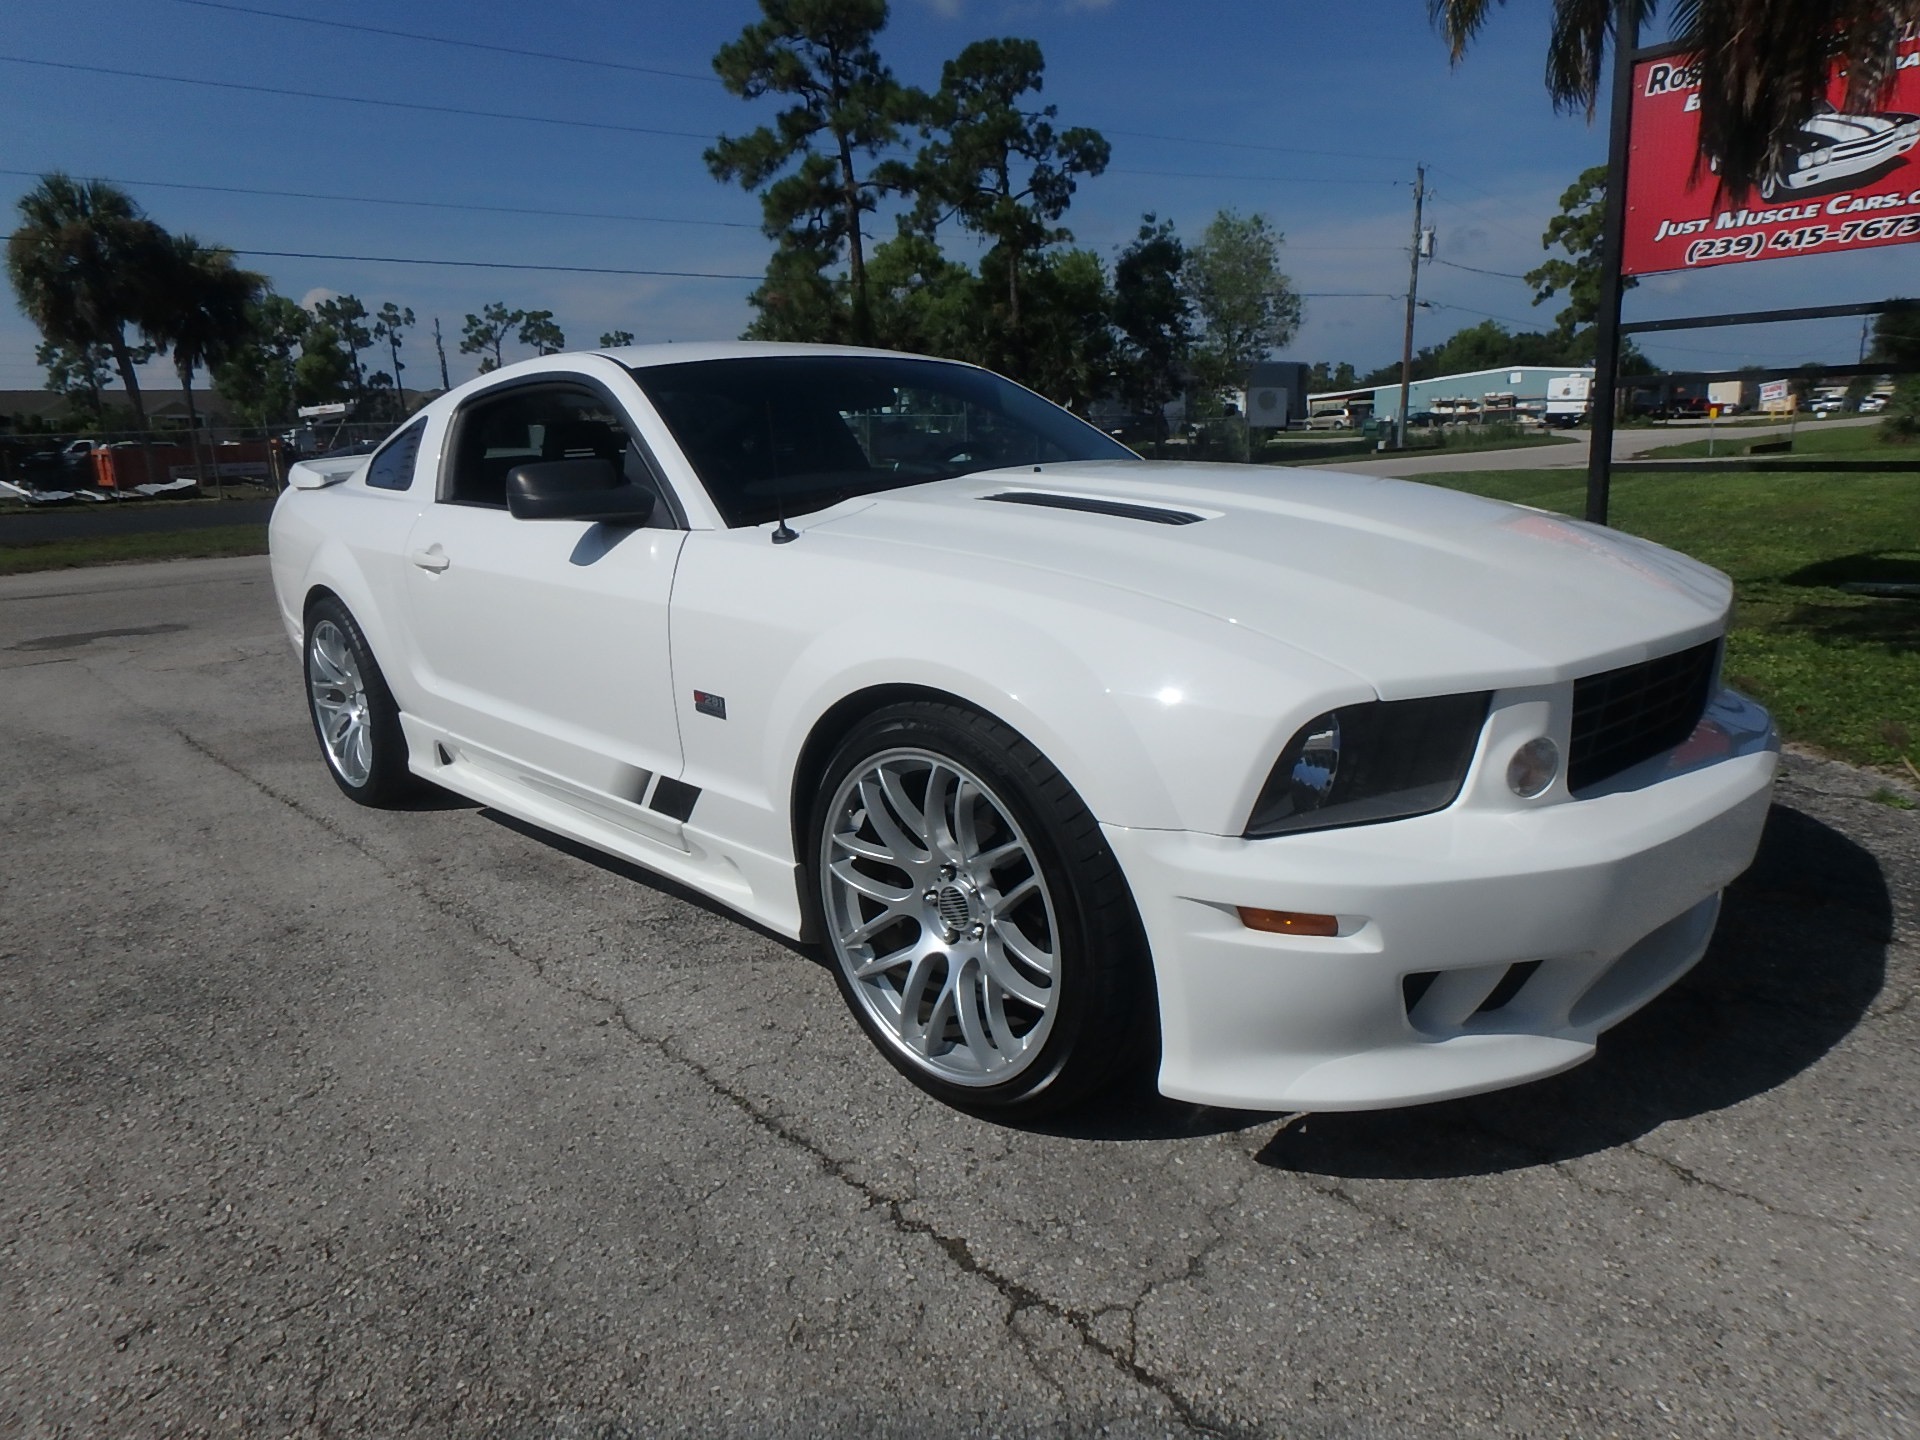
point(1311, 114)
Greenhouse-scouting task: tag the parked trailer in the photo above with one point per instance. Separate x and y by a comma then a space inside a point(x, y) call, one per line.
point(1731, 396)
point(1568, 400)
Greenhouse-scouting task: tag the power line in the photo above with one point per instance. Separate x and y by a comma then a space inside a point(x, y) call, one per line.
point(280, 90)
point(418, 204)
point(1251, 145)
point(1476, 211)
point(1484, 315)
point(517, 54)
point(1504, 202)
point(494, 265)
point(1498, 274)
point(1270, 179)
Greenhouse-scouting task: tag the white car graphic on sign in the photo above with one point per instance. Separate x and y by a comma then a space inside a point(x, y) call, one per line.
point(1832, 148)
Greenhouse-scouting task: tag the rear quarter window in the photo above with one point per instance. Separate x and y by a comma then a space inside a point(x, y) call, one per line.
point(393, 464)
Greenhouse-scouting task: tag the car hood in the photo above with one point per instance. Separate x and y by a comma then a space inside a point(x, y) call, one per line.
point(1415, 589)
point(1830, 128)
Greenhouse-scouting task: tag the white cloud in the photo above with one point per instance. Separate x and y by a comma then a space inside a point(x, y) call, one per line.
point(314, 296)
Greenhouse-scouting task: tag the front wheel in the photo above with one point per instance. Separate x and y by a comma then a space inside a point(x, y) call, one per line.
point(982, 931)
point(354, 714)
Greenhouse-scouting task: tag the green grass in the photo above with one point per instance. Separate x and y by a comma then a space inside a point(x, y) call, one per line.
point(1449, 442)
point(1841, 672)
point(1810, 437)
point(18, 559)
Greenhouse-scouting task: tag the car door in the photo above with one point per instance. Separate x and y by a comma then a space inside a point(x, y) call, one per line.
point(542, 644)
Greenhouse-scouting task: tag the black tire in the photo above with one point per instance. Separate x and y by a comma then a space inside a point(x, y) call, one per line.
point(374, 773)
point(1097, 1019)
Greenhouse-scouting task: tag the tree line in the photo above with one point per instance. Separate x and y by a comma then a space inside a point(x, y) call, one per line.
point(110, 290)
point(979, 154)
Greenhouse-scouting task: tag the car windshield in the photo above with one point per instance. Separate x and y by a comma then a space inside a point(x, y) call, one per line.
point(783, 435)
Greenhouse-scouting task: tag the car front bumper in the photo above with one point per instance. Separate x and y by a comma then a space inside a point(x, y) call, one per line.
point(1605, 901)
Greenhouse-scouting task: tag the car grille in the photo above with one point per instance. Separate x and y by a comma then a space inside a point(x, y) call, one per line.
point(1631, 714)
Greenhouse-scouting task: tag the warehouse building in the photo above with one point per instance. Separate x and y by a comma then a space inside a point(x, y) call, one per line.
point(1510, 393)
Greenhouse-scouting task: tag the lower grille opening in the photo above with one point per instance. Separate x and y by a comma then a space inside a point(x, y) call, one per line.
point(1509, 986)
point(1414, 988)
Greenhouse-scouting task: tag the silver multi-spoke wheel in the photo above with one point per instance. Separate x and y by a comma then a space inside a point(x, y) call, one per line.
point(341, 707)
point(940, 917)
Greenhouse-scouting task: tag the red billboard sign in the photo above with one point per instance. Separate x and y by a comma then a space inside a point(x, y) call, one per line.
point(1850, 181)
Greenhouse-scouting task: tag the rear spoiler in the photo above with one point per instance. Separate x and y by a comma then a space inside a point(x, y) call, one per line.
point(320, 473)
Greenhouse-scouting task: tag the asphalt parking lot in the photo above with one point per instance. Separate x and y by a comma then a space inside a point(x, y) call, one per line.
point(321, 1121)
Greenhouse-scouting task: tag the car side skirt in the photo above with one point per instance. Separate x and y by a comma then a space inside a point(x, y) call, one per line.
point(757, 885)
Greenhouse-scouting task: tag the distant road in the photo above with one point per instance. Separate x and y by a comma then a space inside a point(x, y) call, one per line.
point(1626, 444)
point(130, 517)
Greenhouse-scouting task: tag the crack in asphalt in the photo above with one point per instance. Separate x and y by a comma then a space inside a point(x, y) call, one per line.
point(1897, 1007)
point(1019, 1296)
point(1633, 1144)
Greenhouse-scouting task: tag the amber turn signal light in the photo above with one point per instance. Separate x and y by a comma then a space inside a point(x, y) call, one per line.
point(1289, 922)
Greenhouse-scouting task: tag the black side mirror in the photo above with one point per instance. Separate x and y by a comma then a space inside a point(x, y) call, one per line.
point(585, 489)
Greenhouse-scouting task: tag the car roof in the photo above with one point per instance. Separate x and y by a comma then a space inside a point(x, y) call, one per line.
point(640, 357)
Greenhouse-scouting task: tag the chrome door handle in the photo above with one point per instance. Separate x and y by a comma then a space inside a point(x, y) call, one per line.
point(434, 559)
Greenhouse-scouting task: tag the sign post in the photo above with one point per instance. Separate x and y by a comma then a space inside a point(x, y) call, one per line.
point(1606, 362)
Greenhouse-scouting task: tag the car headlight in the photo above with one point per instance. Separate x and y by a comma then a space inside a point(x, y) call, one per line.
point(1361, 764)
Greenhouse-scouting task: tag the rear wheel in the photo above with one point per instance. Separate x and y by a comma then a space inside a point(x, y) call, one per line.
point(982, 931)
point(354, 715)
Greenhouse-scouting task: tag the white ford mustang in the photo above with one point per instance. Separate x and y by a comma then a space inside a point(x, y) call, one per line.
point(1337, 792)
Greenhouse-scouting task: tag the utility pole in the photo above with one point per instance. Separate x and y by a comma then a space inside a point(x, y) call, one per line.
point(1413, 296)
point(445, 383)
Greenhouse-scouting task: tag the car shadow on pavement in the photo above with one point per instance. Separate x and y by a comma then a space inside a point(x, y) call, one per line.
point(1135, 1110)
point(425, 798)
point(1799, 956)
point(640, 875)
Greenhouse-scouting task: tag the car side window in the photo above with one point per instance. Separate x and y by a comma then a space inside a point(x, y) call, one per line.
point(539, 422)
point(393, 463)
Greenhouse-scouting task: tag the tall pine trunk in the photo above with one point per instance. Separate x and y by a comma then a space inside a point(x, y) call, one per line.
point(856, 252)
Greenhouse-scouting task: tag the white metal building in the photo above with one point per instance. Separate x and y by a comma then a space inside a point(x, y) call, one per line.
point(1476, 394)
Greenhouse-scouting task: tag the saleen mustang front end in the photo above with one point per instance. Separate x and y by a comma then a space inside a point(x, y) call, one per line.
point(1341, 792)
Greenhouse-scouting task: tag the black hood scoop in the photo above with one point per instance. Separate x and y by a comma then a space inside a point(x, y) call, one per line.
point(1094, 505)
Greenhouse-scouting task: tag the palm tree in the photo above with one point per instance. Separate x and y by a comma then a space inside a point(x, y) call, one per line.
point(1765, 64)
point(201, 311)
point(85, 264)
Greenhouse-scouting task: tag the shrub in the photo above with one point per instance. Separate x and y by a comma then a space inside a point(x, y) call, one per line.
point(1902, 420)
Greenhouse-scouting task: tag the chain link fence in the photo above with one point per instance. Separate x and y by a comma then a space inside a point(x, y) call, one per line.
point(122, 464)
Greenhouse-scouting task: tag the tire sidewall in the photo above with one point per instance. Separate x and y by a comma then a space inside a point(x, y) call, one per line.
point(952, 733)
point(388, 776)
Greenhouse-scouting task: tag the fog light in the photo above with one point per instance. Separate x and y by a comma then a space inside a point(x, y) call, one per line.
point(1534, 767)
point(1289, 922)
